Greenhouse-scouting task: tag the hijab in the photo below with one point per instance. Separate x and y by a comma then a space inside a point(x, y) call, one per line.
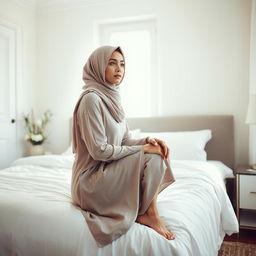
point(94, 79)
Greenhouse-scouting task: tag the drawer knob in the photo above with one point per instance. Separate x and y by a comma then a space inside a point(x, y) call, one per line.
point(253, 192)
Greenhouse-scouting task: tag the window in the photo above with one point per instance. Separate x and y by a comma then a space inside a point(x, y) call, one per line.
point(139, 90)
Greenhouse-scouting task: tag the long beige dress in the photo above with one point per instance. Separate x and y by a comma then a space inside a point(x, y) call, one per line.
point(113, 180)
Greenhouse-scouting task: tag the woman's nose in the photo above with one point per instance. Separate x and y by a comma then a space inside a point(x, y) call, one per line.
point(118, 67)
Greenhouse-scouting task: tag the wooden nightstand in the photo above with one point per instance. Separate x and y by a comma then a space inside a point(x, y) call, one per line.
point(246, 197)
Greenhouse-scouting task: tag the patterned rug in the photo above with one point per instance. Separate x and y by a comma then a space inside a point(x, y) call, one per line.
point(237, 249)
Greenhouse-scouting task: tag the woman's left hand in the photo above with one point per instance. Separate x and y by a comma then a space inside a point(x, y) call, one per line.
point(154, 142)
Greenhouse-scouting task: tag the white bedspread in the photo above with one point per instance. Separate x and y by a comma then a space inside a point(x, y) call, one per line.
point(38, 218)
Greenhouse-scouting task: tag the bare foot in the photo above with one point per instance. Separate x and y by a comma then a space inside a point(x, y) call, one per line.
point(154, 221)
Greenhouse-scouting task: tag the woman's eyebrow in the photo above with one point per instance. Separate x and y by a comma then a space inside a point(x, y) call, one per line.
point(116, 59)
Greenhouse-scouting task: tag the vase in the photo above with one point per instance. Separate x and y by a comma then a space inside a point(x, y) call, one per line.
point(36, 150)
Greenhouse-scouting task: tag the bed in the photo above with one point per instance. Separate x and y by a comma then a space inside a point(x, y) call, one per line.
point(37, 216)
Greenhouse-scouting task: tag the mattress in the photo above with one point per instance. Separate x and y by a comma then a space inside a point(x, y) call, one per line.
point(37, 216)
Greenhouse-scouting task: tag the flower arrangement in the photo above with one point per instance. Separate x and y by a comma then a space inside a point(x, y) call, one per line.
point(35, 129)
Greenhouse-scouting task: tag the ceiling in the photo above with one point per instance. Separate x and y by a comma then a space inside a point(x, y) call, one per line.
point(49, 4)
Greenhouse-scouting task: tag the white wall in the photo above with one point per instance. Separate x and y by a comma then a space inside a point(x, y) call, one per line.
point(203, 57)
point(203, 48)
point(208, 62)
point(24, 18)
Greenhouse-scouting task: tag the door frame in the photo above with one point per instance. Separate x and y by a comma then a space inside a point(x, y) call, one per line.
point(18, 85)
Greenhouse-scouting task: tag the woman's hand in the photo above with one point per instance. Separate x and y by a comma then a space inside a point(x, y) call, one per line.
point(164, 147)
point(153, 149)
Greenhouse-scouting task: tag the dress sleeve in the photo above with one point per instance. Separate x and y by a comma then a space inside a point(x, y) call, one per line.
point(93, 132)
point(127, 140)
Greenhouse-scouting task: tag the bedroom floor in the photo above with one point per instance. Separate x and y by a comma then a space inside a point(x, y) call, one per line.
point(244, 236)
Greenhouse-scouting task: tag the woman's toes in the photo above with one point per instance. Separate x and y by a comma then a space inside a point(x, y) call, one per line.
point(173, 236)
point(162, 234)
point(168, 236)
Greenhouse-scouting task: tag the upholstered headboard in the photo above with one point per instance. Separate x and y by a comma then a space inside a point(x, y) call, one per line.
point(220, 147)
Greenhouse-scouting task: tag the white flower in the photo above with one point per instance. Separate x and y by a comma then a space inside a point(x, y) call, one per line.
point(35, 129)
point(37, 137)
point(39, 122)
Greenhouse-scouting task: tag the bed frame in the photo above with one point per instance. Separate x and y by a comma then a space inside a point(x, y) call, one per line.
point(220, 147)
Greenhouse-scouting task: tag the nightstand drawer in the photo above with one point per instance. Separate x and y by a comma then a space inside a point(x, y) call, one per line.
point(248, 191)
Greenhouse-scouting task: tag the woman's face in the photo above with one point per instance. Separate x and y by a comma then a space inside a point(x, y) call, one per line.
point(115, 68)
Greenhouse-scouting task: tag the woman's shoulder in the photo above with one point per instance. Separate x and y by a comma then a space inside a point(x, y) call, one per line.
point(90, 101)
point(91, 98)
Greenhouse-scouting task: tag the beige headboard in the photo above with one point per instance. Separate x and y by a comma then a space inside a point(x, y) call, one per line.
point(220, 147)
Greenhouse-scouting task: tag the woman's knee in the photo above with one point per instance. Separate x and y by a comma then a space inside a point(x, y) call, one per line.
point(154, 161)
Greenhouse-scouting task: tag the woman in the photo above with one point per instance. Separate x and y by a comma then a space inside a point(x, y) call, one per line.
point(115, 179)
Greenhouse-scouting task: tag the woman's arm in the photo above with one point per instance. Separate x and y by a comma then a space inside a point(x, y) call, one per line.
point(93, 132)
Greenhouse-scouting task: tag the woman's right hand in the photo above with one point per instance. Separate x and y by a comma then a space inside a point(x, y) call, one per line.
point(153, 149)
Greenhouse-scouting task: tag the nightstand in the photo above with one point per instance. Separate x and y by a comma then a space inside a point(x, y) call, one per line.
point(246, 197)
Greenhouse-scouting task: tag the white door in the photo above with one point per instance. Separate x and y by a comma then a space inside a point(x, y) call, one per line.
point(7, 96)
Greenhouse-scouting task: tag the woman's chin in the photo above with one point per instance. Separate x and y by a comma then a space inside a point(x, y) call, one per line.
point(114, 82)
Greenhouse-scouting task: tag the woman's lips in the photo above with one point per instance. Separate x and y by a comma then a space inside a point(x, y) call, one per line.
point(117, 76)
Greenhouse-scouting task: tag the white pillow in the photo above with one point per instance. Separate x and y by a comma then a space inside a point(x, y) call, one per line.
point(135, 134)
point(184, 145)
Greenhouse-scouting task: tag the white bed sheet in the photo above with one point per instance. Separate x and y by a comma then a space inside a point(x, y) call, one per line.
point(38, 218)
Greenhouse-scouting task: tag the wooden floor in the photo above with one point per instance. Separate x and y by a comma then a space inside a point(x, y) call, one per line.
point(244, 236)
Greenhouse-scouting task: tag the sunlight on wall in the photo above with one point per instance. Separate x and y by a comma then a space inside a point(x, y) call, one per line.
point(137, 37)
point(135, 88)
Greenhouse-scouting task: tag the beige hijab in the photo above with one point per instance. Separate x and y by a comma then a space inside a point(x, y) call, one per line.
point(94, 78)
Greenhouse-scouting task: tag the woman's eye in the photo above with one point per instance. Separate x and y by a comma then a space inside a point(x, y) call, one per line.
point(113, 63)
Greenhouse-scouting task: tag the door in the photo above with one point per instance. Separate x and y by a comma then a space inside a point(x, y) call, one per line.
point(8, 60)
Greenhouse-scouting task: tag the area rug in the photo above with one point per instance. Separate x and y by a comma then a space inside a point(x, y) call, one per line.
point(237, 249)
